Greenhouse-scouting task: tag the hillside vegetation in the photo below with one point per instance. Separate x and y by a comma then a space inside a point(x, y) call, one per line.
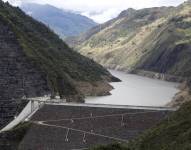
point(152, 39)
point(10, 140)
point(62, 66)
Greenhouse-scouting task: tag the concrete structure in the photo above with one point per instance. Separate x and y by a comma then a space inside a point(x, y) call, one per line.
point(80, 126)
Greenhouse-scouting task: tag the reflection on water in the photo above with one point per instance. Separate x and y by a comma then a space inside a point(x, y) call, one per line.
point(137, 90)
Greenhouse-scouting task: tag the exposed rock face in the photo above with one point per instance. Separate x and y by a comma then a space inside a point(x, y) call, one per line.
point(181, 97)
point(18, 77)
point(161, 76)
point(95, 89)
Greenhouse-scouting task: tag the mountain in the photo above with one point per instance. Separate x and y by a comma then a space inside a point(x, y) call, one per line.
point(62, 22)
point(155, 42)
point(36, 62)
point(153, 39)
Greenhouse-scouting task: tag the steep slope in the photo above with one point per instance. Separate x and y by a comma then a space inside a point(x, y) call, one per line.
point(153, 39)
point(114, 43)
point(63, 23)
point(170, 52)
point(162, 46)
point(35, 62)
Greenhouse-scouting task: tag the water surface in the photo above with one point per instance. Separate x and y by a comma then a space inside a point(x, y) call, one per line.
point(137, 90)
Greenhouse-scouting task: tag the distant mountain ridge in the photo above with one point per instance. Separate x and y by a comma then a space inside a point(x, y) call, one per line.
point(151, 39)
point(63, 22)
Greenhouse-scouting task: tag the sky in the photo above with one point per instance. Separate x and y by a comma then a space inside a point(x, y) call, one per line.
point(101, 10)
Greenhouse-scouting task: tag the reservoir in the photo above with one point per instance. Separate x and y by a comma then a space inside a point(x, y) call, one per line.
point(133, 90)
point(137, 90)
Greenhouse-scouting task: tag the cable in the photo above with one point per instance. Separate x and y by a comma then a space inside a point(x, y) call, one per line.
point(103, 116)
point(82, 131)
point(122, 123)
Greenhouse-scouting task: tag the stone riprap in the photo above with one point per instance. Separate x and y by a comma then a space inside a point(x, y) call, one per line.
point(59, 127)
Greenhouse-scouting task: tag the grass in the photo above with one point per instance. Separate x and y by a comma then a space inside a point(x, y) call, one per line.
point(10, 140)
point(49, 53)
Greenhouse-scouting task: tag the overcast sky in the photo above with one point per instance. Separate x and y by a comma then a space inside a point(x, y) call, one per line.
point(101, 10)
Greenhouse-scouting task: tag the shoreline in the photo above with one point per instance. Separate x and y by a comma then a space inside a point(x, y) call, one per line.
point(179, 98)
point(133, 82)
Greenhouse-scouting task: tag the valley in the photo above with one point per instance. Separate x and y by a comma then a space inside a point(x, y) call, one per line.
point(121, 85)
point(151, 42)
point(150, 39)
point(142, 91)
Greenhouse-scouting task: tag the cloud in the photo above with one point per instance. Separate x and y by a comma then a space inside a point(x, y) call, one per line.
point(14, 2)
point(103, 16)
point(101, 10)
